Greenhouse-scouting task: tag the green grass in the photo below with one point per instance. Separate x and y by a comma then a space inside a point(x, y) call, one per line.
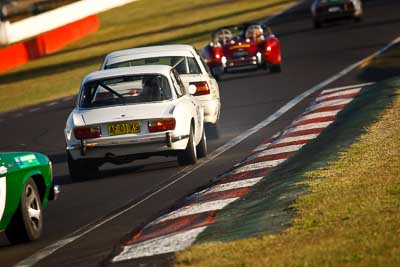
point(141, 23)
point(342, 192)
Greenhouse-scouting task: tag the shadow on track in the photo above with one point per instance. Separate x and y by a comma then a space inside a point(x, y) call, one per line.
point(238, 75)
point(112, 171)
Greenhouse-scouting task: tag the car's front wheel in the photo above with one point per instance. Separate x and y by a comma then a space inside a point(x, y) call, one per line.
point(27, 223)
point(189, 155)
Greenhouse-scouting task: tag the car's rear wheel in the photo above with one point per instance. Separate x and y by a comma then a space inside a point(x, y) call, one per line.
point(276, 68)
point(27, 223)
point(189, 155)
point(202, 146)
point(81, 169)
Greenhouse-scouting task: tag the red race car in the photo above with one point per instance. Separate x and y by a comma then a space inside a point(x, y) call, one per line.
point(256, 47)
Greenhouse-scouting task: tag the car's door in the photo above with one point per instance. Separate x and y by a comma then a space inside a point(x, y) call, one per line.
point(188, 105)
point(3, 188)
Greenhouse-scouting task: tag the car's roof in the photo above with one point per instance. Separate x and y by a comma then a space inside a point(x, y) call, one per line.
point(149, 54)
point(137, 70)
point(151, 49)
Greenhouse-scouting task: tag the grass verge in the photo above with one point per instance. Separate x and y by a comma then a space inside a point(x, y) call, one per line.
point(141, 23)
point(350, 215)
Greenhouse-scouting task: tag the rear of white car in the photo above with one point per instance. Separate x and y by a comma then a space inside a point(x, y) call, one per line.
point(188, 63)
point(330, 10)
point(132, 113)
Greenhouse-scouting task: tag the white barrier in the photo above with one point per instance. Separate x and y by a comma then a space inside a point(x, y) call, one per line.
point(20, 30)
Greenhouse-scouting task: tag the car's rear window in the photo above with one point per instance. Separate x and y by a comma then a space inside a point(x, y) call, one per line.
point(125, 90)
point(184, 65)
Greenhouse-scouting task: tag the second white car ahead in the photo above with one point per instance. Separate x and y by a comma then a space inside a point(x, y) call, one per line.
point(187, 62)
point(133, 113)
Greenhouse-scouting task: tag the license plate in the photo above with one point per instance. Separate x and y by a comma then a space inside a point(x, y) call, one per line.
point(334, 9)
point(124, 128)
point(240, 53)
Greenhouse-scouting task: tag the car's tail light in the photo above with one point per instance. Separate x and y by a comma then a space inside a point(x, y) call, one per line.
point(87, 132)
point(161, 125)
point(217, 54)
point(202, 88)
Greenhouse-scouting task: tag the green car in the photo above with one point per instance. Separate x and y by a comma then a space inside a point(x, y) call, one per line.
point(26, 186)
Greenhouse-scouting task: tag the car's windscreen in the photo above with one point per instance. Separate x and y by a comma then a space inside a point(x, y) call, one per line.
point(125, 90)
point(184, 65)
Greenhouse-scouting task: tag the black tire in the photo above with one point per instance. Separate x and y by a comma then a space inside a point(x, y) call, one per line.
point(202, 146)
point(27, 223)
point(189, 155)
point(264, 66)
point(275, 68)
point(81, 169)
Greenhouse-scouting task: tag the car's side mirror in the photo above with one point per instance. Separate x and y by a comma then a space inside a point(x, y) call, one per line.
point(192, 89)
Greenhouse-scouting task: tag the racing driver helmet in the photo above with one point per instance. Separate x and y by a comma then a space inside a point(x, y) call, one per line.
point(255, 33)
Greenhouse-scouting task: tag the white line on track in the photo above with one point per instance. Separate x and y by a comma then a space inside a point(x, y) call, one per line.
point(295, 138)
point(316, 115)
point(43, 253)
point(275, 151)
point(308, 126)
point(262, 147)
point(34, 109)
point(276, 135)
point(194, 209)
point(52, 103)
point(230, 186)
point(159, 245)
point(328, 91)
point(257, 166)
point(336, 94)
point(329, 103)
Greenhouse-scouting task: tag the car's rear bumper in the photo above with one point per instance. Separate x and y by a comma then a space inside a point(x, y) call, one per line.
point(234, 64)
point(335, 16)
point(334, 12)
point(112, 148)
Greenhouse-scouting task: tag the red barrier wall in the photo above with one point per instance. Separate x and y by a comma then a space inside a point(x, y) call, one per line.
point(13, 56)
point(46, 43)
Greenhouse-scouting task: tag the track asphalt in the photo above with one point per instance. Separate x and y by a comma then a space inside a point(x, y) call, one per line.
point(310, 56)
